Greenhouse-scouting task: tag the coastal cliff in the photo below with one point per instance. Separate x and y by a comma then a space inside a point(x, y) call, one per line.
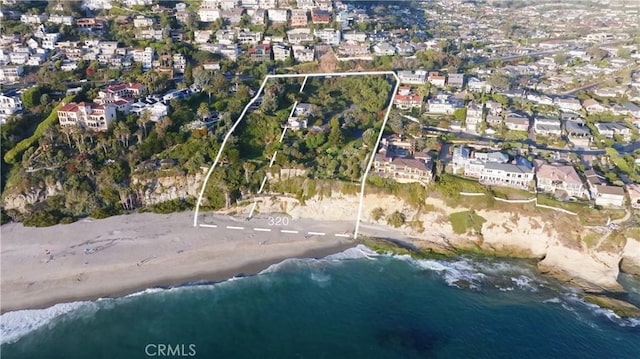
point(564, 248)
point(146, 189)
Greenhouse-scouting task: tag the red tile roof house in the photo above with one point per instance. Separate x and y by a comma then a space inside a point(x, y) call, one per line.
point(405, 99)
point(129, 90)
point(320, 17)
point(91, 116)
point(261, 52)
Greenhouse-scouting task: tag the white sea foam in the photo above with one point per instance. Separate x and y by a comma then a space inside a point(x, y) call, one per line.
point(146, 291)
point(607, 313)
point(358, 252)
point(287, 263)
point(454, 273)
point(524, 282)
point(15, 325)
point(504, 289)
point(554, 300)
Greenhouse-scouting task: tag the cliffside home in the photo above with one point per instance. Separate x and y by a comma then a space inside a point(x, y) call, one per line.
point(561, 180)
point(609, 196)
point(634, 194)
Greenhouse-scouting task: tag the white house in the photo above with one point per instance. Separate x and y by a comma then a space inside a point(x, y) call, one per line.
point(300, 35)
point(145, 57)
point(329, 36)
point(33, 18)
point(384, 49)
point(593, 106)
point(476, 85)
point(506, 174)
point(303, 53)
point(547, 126)
point(281, 52)
point(609, 129)
point(418, 77)
point(209, 14)
point(9, 74)
point(475, 116)
point(443, 104)
point(570, 104)
point(142, 22)
point(278, 15)
point(634, 194)
point(91, 116)
point(9, 105)
point(202, 36)
point(609, 196)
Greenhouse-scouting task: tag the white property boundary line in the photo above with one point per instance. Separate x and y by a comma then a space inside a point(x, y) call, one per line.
point(306, 76)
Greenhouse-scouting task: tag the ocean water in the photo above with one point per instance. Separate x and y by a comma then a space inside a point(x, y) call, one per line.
point(350, 305)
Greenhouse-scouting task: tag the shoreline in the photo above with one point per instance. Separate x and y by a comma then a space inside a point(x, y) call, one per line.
point(42, 267)
point(145, 251)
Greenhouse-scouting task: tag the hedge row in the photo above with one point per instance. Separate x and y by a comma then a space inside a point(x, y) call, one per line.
point(13, 155)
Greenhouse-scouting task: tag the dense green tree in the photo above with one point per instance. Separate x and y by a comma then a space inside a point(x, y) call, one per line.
point(336, 137)
point(31, 97)
point(369, 137)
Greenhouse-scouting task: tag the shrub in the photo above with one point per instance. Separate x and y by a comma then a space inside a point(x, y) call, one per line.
point(396, 219)
point(377, 213)
point(43, 218)
point(105, 212)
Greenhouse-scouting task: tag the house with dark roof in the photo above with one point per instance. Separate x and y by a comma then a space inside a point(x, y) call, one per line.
point(507, 175)
point(546, 126)
point(516, 121)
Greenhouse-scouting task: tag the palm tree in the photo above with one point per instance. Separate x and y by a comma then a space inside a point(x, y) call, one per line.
point(67, 131)
point(203, 110)
point(143, 120)
point(102, 142)
point(162, 125)
point(122, 133)
point(139, 135)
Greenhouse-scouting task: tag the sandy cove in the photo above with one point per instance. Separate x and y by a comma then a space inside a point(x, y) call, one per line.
point(120, 255)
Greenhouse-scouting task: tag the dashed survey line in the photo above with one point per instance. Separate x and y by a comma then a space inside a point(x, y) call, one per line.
point(285, 231)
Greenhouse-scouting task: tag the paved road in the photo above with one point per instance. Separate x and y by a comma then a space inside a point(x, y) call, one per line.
point(528, 142)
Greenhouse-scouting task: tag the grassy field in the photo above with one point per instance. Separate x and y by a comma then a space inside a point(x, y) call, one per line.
point(466, 221)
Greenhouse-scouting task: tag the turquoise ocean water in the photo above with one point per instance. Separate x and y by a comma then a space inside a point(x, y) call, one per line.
point(383, 307)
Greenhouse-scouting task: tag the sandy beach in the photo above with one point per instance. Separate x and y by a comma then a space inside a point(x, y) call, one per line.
point(120, 255)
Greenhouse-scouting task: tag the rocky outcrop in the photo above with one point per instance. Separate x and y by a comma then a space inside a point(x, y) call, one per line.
point(21, 200)
point(148, 189)
point(158, 188)
point(630, 262)
point(503, 234)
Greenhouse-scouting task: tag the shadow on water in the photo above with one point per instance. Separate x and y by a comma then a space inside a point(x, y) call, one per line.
point(411, 340)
